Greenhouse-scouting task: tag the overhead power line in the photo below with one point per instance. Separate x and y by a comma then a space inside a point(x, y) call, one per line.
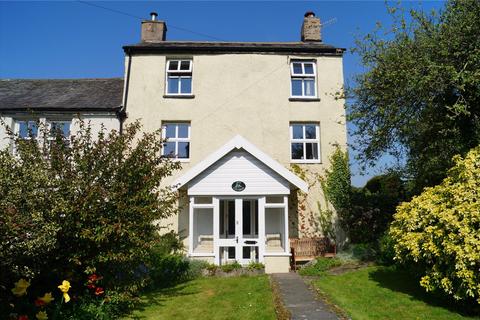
point(140, 18)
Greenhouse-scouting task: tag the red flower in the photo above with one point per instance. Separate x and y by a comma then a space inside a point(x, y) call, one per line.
point(39, 303)
point(23, 317)
point(99, 291)
point(94, 278)
point(90, 286)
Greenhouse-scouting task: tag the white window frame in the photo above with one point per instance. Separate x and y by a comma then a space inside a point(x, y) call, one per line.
point(303, 76)
point(176, 139)
point(44, 122)
point(304, 141)
point(49, 122)
point(185, 74)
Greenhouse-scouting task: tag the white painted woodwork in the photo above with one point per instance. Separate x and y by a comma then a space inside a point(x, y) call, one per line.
point(238, 165)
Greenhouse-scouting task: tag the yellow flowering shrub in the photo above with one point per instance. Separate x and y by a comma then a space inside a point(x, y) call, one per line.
point(439, 230)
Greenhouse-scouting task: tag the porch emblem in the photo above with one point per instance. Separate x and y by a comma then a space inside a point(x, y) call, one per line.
point(238, 186)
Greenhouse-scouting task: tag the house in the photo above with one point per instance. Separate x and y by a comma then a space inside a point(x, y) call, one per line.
point(239, 115)
point(59, 104)
point(253, 124)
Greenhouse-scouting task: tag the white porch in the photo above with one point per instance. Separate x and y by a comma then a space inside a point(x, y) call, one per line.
point(238, 207)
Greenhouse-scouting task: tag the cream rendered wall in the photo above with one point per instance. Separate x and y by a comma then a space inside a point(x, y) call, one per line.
point(246, 94)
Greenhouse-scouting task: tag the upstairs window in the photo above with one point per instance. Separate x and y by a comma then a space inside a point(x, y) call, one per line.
point(59, 128)
point(42, 130)
point(179, 77)
point(27, 129)
point(303, 76)
point(305, 145)
point(177, 144)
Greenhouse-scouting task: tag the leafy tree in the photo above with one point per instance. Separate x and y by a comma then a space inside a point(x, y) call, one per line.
point(86, 206)
point(420, 96)
point(373, 206)
point(439, 231)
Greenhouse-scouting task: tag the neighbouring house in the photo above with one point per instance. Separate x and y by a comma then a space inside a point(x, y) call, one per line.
point(253, 124)
point(58, 104)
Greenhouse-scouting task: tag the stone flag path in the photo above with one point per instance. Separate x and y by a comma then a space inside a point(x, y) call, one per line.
point(300, 300)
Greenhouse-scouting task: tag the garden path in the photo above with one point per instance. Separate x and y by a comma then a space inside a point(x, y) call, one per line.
point(300, 300)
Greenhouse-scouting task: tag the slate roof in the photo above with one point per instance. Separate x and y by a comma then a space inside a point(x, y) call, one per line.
point(61, 94)
point(234, 47)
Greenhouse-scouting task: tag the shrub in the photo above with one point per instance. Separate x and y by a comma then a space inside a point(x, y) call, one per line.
point(386, 250)
point(439, 231)
point(229, 267)
point(71, 209)
point(196, 267)
point(373, 207)
point(320, 266)
point(255, 266)
point(336, 184)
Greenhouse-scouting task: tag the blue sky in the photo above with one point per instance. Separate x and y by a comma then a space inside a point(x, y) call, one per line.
point(71, 39)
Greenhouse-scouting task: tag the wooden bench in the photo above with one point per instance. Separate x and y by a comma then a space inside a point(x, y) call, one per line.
point(307, 249)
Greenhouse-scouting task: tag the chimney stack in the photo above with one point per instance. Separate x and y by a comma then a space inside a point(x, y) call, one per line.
point(311, 28)
point(154, 30)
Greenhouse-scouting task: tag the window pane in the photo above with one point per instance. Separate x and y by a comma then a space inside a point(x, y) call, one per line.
point(297, 68)
point(186, 85)
point(310, 131)
point(173, 65)
point(26, 128)
point(309, 87)
point(312, 151)
point(297, 131)
point(297, 150)
point(23, 129)
point(170, 130)
point(308, 68)
point(185, 65)
point(173, 84)
point(296, 87)
point(33, 127)
point(183, 130)
point(62, 128)
point(184, 150)
point(169, 149)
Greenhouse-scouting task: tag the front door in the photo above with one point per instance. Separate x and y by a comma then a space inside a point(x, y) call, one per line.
point(238, 230)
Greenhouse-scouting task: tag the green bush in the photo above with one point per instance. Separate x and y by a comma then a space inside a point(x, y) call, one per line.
point(166, 270)
point(196, 268)
point(439, 231)
point(373, 207)
point(255, 266)
point(68, 210)
point(386, 250)
point(229, 267)
point(320, 266)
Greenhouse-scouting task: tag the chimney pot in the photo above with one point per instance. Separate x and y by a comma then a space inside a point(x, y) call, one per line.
point(311, 28)
point(154, 30)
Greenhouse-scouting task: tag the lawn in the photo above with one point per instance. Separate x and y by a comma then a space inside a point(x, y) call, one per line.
point(384, 293)
point(210, 298)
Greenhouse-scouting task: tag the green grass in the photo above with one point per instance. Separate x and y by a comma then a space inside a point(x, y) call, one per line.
point(319, 267)
point(385, 293)
point(212, 299)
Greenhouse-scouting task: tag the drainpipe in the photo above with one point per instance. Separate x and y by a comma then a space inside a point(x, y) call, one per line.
point(123, 110)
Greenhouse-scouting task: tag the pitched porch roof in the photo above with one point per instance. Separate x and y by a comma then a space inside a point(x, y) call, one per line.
point(237, 143)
